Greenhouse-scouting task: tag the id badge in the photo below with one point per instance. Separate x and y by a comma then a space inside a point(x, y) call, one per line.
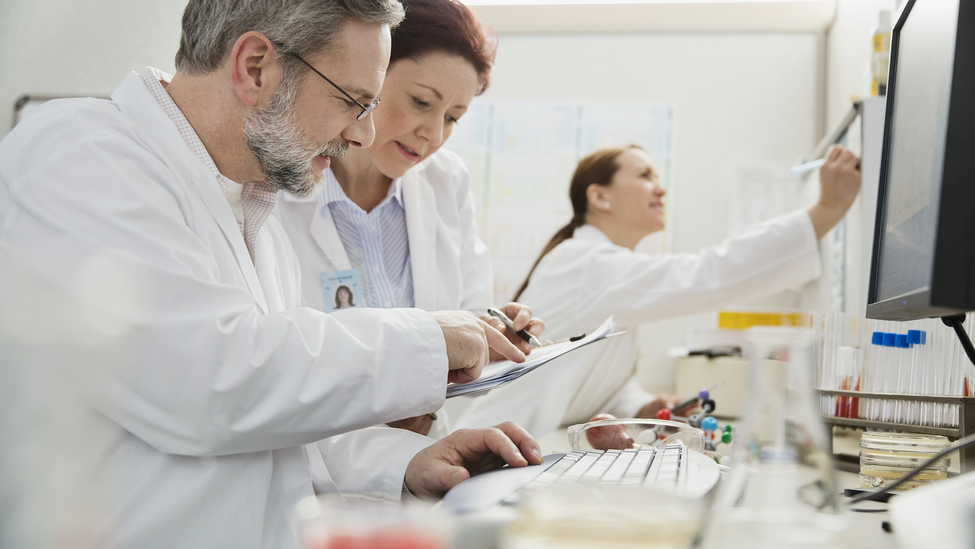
point(341, 290)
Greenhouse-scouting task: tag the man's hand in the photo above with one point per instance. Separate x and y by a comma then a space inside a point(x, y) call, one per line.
point(522, 319)
point(839, 183)
point(468, 452)
point(419, 424)
point(469, 340)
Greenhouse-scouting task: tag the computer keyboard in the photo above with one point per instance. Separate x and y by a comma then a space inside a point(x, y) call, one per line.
point(673, 469)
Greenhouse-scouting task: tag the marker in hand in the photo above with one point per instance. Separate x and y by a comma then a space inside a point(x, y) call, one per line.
point(523, 334)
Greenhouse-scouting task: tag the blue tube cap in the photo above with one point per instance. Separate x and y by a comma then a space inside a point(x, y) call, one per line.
point(924, 337)
point(878, 338)
point(914, 336)
point(890, 340)
point(901, 341)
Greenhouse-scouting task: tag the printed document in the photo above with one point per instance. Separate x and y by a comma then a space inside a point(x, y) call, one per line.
point(501, 372)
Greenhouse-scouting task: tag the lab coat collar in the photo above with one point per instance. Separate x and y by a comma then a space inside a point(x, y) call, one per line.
point(323, 228)
point(592, 234)
point(327, 237)
point(422, 229)
point(136, 101)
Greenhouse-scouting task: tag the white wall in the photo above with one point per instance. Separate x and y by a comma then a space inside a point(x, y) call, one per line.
point(742, 101)
point(74, 47)
point(849, 51)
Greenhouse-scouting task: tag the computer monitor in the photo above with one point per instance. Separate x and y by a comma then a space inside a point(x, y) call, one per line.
point(923, 262)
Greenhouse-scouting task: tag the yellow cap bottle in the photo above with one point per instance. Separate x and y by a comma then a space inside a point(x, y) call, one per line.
point(880, 57)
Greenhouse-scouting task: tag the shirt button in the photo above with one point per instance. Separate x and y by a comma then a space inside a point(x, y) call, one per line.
point(387, 304)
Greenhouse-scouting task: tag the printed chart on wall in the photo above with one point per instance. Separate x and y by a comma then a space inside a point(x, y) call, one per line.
point(521, 155)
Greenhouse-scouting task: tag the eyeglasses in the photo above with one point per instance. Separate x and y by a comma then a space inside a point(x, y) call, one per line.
point(366, 109)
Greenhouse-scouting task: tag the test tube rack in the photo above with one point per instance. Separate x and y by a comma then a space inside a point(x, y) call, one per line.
point(965, 427)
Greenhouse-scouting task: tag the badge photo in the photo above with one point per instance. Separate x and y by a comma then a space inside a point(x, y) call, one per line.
point(341, 290)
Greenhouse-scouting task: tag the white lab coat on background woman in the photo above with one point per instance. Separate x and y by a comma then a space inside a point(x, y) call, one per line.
point(221, 382)
point(587, 278)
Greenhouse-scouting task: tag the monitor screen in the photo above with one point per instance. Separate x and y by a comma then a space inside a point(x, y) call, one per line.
point(917, 126)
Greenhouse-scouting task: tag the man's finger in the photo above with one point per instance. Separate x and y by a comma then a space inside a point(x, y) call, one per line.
point(528, 446)
point(497, 341)
point(464, 375)
point(493, 322)
point(432, 478)
point(498, 443)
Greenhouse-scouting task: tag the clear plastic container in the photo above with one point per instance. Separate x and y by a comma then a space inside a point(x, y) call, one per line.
point(626, 433)
point(886, 457)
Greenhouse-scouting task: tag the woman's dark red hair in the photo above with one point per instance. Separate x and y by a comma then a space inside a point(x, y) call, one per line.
point(447, 26)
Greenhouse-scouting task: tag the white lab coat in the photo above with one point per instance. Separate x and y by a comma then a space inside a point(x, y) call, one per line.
point(587, 278)
point(222, 382)
point(451, 265)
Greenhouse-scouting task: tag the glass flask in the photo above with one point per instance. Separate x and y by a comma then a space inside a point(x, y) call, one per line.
point(780, 492)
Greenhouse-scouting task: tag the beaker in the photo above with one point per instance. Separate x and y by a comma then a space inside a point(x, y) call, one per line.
point(780, 492)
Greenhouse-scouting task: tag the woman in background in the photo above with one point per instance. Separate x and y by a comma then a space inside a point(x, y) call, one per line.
point(400, 212)
point(589, 271)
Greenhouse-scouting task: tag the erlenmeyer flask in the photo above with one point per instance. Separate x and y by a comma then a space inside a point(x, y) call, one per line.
point(780, 492)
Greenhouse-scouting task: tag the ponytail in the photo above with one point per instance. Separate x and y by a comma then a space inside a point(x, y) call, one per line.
point(598, 167)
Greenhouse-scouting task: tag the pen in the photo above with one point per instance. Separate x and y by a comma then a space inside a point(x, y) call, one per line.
point(523, 334)
point(807, 167)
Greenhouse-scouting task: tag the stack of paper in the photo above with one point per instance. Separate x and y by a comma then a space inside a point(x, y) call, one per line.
point(500, 372)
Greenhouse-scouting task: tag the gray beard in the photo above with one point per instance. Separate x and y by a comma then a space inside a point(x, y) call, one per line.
point(285, 155)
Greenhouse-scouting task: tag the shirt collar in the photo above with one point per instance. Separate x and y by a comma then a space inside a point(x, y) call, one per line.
point(332, 191)
point(153, 79)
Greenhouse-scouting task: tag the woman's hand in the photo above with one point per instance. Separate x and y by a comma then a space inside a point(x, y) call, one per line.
point(609, 437)
point(521, 317)
point(839, 183)
point(650, 409)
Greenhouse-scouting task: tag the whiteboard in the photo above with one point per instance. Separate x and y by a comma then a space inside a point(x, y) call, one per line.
point(521, 155)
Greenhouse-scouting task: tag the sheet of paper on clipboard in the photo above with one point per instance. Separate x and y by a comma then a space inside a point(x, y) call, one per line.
point(501, 372)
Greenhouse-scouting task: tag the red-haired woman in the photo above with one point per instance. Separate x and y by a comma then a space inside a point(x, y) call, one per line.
point(401, 212)
point(589, 271)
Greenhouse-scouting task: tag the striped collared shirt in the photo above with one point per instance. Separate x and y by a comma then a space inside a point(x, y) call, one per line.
point(376, 242)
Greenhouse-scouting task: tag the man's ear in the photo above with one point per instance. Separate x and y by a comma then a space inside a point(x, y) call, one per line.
point(254, 69)
point(598, 197)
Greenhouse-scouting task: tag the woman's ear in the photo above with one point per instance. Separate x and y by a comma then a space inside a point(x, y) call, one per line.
point(598, 197)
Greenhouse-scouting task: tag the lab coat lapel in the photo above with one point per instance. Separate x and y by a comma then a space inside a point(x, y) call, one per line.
point(137, 102)
point(327, 236)
point(421, 230)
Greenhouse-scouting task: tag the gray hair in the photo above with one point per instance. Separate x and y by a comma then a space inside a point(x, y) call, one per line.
point(306, 27)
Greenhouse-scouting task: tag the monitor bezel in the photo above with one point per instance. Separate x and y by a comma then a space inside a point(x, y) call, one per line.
point(952, 283)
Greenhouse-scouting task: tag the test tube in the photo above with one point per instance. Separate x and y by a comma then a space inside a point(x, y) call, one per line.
point(890, 373)
point(913, 410)
point(876, 352)
point(903, 367)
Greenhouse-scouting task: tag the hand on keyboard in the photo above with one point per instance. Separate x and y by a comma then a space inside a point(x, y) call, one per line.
point(466, 453)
